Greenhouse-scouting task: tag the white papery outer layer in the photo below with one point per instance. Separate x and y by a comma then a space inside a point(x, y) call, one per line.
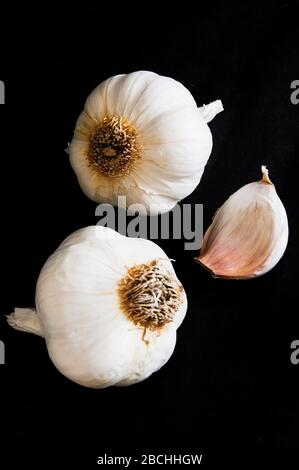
point(175, 139)
point(89, 338)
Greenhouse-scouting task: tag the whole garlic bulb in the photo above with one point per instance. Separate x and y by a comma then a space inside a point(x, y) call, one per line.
point(249, 233)
point(141, 135)
point(108, 307)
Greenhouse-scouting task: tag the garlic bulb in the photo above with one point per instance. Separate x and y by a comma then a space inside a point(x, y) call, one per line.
point(141, 135)
point(249, 233)
point(108, 307)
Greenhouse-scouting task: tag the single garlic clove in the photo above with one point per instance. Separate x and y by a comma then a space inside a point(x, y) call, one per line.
point(248, 234)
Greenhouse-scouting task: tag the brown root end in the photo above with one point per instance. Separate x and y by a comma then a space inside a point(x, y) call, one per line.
point(149, 297)
point(217, 275)
point(198, 260)
point(144, 335)
point(114, 147)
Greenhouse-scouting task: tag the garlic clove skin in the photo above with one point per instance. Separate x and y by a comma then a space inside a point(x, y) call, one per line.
point(81, 311)
point(248, 234)
point(168, 133)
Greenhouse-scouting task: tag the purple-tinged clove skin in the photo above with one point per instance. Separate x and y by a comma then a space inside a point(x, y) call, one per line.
point(248, 234)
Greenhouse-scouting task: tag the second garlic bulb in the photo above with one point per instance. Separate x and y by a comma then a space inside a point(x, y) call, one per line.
point(108, 307)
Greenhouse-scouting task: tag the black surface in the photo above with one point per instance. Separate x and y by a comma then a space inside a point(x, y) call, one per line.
point(230, 383)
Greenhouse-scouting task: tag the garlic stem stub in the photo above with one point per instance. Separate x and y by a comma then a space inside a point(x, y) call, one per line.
point(108, 307)
point(248, 234)
point(142, 136)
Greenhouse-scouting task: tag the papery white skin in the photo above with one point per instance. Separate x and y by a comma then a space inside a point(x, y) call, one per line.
point(248, 234)
point(89, 338)
point(173, 132)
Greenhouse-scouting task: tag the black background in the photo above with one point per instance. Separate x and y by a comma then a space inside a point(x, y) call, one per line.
point(230, 383)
